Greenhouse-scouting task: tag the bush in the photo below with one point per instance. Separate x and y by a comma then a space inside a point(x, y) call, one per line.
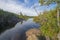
point(48, 22)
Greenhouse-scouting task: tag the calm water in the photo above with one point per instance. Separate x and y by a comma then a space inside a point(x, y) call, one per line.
point(19, 29)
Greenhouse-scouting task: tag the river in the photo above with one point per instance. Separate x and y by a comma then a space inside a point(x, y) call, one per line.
point(19, 29)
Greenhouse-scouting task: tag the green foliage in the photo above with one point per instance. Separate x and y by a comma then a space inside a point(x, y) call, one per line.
point(37, 19)
point(25, 17)
point(48, 22)
point(7, 20)
point(47, 2)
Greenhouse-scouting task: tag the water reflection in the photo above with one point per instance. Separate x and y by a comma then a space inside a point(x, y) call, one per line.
point(18, 29)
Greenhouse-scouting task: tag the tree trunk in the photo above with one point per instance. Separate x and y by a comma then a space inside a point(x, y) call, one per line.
point(58, 16)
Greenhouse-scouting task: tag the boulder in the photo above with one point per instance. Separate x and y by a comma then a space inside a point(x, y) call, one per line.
point(32, 34)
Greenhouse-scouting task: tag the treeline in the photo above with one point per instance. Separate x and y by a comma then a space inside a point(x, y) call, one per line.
point(48, 24)
point(26, 17)
point(8, 20)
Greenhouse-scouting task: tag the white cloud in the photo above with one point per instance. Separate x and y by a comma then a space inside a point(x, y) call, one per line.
point(11, 6)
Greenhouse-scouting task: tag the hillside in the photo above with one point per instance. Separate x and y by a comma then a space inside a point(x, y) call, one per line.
point(8, 20)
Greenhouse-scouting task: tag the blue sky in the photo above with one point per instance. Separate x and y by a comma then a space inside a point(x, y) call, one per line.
point(24, 6)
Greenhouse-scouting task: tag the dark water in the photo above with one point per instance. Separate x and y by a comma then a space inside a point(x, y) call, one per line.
point(19, 29)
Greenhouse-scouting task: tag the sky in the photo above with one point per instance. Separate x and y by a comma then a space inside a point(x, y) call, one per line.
point(24, 6)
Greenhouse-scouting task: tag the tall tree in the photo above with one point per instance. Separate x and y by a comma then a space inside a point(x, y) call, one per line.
point(47, 2)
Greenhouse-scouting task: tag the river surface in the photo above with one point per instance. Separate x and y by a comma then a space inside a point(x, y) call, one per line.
point(19, 29)
point(28, 22)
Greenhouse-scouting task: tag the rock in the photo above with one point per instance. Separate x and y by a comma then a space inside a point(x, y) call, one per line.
point(32, 34)
point(58, 36)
